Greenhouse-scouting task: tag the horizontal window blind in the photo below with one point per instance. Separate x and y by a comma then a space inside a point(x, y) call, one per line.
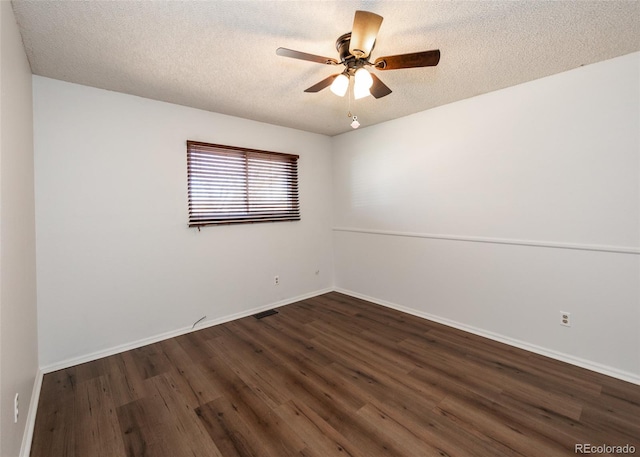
point(232, 185)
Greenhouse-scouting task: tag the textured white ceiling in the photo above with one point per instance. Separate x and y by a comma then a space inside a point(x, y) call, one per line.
point(220, 55)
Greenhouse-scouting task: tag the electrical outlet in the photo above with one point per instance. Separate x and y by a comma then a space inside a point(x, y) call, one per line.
point(276, 280)
point(565, 318)
point(16, 410)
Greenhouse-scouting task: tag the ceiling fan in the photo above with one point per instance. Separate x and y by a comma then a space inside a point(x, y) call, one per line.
point(354, 49)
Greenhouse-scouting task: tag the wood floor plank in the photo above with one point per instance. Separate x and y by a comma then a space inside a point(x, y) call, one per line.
point(191, 382)
point(138, 425)
point(376, 318)
point(511, 363)
point(285, 359)
point(125, 382)
point(403, 437)
point(232, 435)
point(256, 378)
point(509, 382)
point(242, 403)
point(289, 333)
point(320, 438)
point(179, 428)
point(619, 427)
point(505, 436)
point(330, 337)
point(195, 346)
point(56, 408)
point(331, 376)
point(97, 428)
point(150, 360)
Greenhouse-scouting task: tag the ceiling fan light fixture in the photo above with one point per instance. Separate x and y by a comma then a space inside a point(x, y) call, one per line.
point(362, 82)
point(363, 78)
point(360, 91)
point(354, 49)
point(340, 85)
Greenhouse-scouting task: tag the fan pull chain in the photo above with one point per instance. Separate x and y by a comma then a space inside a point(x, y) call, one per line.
point(354, 124)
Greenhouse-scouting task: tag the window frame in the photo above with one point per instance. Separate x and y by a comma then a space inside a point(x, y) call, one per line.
point(265, 190)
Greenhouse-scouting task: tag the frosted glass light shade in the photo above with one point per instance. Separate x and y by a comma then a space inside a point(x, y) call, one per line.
point(363, 81)
point(360, 91)
point(340, 85)
point(363, 78)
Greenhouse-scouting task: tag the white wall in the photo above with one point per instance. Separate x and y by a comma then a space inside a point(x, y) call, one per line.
point(18, 325)
point(424, 205)
point(117, 262)
point(491, 214)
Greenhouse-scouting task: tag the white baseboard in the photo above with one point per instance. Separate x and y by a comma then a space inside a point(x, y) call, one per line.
point(27, 437)
point(583, 363)
point(173, 333)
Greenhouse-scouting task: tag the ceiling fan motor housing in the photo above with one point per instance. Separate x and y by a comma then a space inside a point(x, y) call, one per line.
point(351, 62)
point(342, 46)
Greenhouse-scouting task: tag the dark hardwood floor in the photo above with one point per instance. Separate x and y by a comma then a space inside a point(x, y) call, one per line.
point(331, 376)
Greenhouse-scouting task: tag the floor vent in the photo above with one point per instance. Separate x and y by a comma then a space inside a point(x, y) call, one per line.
point(269, 312)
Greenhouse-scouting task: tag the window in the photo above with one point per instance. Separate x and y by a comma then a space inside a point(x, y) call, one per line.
point(231, 185)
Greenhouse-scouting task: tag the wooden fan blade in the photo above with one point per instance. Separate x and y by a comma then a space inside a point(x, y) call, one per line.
point(326, 82)
point(412, 60)
point(378, 89)
point(364, 33)
point(284, 52)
